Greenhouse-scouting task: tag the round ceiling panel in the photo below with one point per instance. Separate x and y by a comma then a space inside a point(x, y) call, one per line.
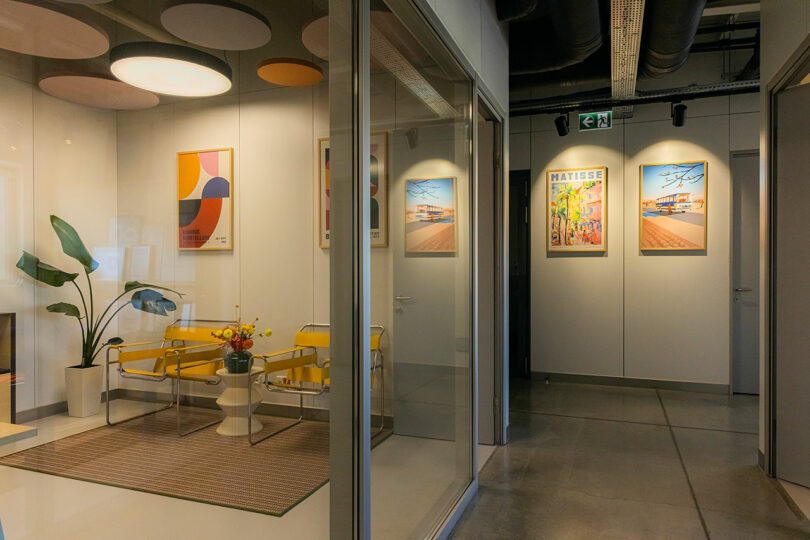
point(97, 90)
point(315, 36)
point(39, 29)
point(290, 72)
point(170, 69)
point(85, 2)
point(216, 24)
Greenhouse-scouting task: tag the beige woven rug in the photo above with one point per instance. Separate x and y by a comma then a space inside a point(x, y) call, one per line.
point(146, 454)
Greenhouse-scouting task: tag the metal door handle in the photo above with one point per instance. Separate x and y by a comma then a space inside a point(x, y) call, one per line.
point(743, 289)
point(400, 298)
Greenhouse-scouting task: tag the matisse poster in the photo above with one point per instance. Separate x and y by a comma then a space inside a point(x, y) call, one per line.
point(576, 209)
point(205, 199)
point(673, 206)
point(378, 202)
point(430, 215)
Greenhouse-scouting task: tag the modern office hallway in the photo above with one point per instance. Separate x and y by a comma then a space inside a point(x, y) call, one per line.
point(589, 461)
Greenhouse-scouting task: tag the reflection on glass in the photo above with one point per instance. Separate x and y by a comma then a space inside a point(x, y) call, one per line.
point(421, 283)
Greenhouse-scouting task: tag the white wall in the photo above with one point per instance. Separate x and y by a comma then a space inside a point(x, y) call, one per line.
point(625, 313)
point(55, 158)
point(484, 41)
point(784, 26)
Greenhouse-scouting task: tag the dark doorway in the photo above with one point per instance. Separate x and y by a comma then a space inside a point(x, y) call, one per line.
point(519, 312)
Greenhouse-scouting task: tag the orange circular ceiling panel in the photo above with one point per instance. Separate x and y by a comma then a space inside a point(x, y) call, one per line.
point(290, 72)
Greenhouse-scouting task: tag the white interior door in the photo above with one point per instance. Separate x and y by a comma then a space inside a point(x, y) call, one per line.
point(745, 274)
point(792, 294)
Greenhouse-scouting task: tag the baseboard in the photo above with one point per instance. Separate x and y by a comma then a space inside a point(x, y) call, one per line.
point(205, 402)
point(43, 411)
point(761, 459)
point(709, 388)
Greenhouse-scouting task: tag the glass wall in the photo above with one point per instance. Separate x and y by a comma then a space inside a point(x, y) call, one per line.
point(421, 274)
point(205, 208)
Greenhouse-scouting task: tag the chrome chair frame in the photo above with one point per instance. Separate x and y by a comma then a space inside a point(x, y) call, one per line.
point(376, 364)
point(176, 395)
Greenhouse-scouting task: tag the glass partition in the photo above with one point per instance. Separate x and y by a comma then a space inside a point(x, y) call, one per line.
point(421, 274)
point(199, 214)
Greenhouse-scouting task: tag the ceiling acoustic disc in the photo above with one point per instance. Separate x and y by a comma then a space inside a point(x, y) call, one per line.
point(96, 90)
point(290, 72)
point(85, 2)
point(216, 24)
point(40, 29)
point(315, 36)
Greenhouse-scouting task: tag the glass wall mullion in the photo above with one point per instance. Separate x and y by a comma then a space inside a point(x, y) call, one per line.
point(349, 31)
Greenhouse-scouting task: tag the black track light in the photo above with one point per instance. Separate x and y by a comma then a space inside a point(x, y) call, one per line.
point(678, 113)
point(562, 125)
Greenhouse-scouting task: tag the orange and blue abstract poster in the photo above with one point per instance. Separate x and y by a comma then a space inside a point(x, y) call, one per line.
point(205, 199)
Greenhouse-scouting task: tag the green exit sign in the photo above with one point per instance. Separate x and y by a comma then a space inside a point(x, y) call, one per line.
point(595, 120)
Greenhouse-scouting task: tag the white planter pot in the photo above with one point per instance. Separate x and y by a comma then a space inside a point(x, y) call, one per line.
point(83, 390)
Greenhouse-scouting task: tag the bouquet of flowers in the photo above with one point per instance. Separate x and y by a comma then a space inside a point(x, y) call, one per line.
point(236, 340)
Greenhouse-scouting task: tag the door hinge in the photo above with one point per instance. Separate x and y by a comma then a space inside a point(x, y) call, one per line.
point(526, 214)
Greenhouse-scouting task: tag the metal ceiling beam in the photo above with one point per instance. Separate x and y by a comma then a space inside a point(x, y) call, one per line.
point(741, 7)
point(590, 101)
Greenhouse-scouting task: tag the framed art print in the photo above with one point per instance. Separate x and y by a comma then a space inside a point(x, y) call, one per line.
point(576, 210)
point(430, 215)
point(205, 199)
point(673, 206)
point(378, 162)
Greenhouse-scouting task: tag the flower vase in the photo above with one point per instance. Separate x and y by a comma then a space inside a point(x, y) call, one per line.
point(238, 362)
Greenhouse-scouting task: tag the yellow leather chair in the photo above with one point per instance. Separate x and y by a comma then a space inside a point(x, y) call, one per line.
point(187, 352)
point(303, 369)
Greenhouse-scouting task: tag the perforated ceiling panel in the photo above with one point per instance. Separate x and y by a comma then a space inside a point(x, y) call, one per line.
point(626, 19)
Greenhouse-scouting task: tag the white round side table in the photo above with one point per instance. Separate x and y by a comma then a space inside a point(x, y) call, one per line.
point(234, 400)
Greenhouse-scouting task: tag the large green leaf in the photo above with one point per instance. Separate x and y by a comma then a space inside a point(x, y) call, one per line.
point(45, 273)
point(72, 245)
point(152, 302)
point(132, 285)
point(63, 307)
point(113, 341)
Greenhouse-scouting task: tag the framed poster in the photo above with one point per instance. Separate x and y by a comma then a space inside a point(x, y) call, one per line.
point(576, 210)
point(673, 206)
point(378, 161)
point(205, 199)
point(430, 215)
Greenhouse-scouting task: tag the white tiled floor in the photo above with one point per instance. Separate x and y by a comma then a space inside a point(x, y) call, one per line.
point(410, 478)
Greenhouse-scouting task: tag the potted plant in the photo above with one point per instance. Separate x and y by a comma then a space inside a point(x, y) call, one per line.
point(83, 381)
point(236, 341)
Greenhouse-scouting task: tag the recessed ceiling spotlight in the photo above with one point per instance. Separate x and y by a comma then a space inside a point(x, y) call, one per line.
point(96, 90)
point(41, 29)
point(170, 69)
point(216, 24)
point(290, 72)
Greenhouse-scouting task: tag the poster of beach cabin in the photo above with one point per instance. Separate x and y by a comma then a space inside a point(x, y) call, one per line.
point(576, 210)
point(673, 206)
point(430, 215)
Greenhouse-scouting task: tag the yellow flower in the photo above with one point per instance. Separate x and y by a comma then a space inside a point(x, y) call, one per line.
point(268, 333)
point(218, 333)
point(227, 334)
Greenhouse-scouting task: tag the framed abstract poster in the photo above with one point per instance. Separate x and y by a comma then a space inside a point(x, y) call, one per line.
point(379, 190)
point(673, 206)
point(205, 199)
point(576, 210)
point(430, 215)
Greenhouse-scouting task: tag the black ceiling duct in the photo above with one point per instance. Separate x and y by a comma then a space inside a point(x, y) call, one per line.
point(568, 33)
point(669, 27)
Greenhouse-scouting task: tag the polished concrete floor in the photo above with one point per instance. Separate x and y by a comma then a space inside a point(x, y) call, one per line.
point(588, 461)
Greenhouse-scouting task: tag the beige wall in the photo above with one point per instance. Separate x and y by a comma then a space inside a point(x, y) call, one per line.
point(625, 313)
